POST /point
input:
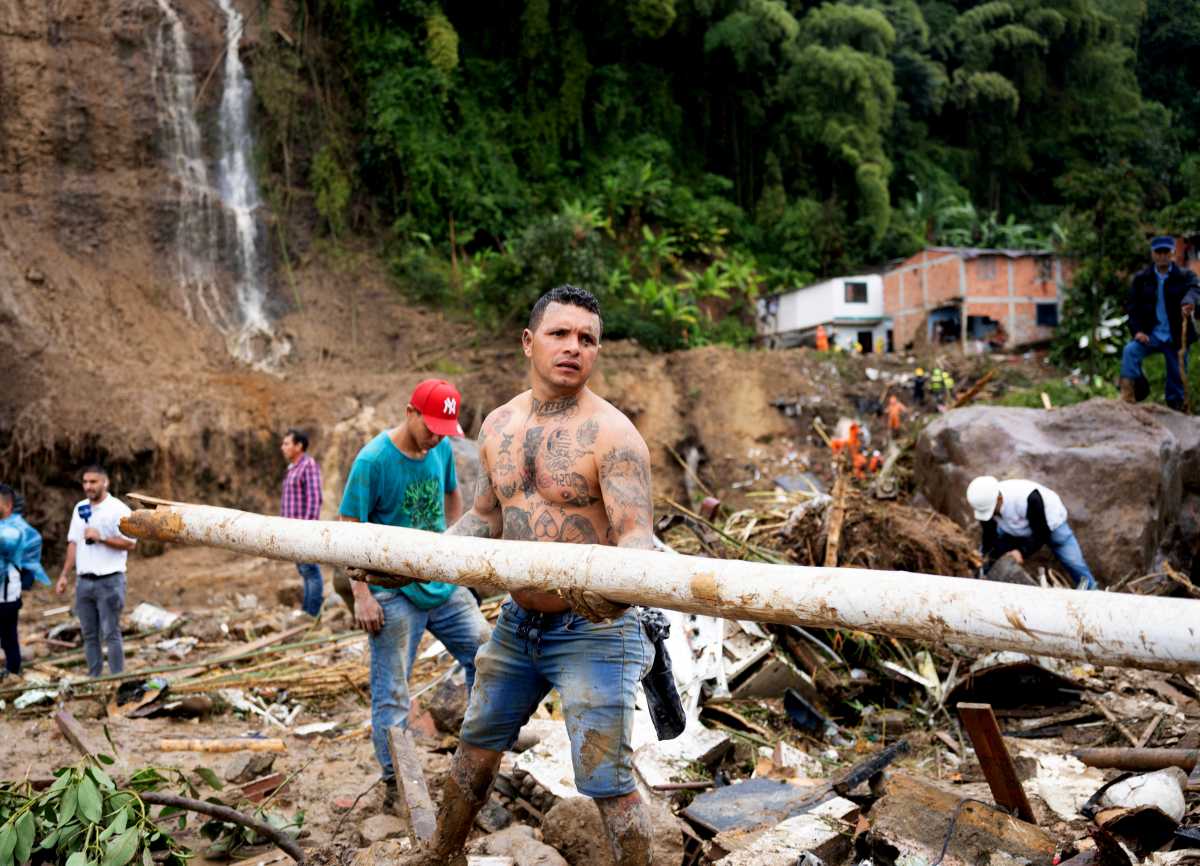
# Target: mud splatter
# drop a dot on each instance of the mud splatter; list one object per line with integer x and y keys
{"x": 597, "y": 745}
{"x": 705, "y": 588}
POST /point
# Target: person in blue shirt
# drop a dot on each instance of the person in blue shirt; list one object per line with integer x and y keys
{"x": 406, "y": 477}
{"x": 20, "y": 566}
{"x": 1161, "y": 298}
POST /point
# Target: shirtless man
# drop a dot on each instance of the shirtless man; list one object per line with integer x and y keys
{"x": 558, "y": 464}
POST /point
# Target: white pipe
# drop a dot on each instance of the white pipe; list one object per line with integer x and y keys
{"x": 1100, "y": 627}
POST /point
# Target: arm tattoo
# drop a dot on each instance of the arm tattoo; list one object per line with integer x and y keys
{"x": 625, "y": 485}
{"x": 471, "y": 524}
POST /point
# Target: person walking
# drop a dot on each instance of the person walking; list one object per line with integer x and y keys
{"x": 558, "y": 465}
{"x": 1160, "y": 304}
{"x": 918, "y": 387}
{"x": 301, "y": 500}
{"x": 97, "y": 551}
{"x": 406, "y": 477}
{"x": 1018, "y": 517}
{"x": 20, "y": 566}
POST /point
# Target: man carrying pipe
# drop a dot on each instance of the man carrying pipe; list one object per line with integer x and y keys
{"x": 560, "y": 465}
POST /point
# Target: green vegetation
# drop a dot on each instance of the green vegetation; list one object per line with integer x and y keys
{"x": 679, "y": 157}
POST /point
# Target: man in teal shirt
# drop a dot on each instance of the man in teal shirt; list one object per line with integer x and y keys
{"x": 405, "y": 477}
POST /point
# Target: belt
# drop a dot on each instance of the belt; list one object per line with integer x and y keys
{"x": 90, "y": 576}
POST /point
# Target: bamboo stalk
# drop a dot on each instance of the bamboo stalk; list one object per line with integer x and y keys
{"x": 1100, "y": 627}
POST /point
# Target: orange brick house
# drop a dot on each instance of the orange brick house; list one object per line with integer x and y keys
{"x": 1005, "y": 297}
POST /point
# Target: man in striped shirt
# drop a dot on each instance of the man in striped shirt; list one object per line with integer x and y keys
{"x": 302, "y": 501}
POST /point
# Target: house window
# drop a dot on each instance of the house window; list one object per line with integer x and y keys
{"x": 987, "y": 268}
{"x": 1045, "y": 269}
{"x": 1047, "y": 315}
{"x": 856, "y": 293}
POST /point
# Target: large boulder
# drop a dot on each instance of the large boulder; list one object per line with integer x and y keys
{"x": 1120, "y": 469}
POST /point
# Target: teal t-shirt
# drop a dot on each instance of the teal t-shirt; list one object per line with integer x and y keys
{"x": 387, "y": 486}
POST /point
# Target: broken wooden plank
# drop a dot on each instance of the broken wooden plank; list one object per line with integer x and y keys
{"x": 1099, "y": 627}
{"x": 413, "y": 803}
{"x": 233, "y": 744}
{"x": 76, "y": 735}
{"x": 998, "y": 768}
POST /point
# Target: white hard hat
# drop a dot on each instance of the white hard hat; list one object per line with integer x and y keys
{"x": 981, "y": 494}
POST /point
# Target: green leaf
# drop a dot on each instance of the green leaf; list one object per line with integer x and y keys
{"x": 8, "y": 839}
{"x": 105, "y": 759}
{"x": 147, "y": 857}
{"x": 25, "y": 827}
{"x": 121, "y": 850}
{"x": 89, "y": 800}
{"x": 102, "y": 778}
{"x": 77, "y": 859}
{"x": 49, "y": 841}
{"x": 210, "y": 778}
{"x": 66, "y": 808}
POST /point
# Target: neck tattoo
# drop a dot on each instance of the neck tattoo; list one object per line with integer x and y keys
{"x": 554, "y": 407}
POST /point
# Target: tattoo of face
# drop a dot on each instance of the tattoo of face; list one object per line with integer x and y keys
{"x": 565, "y": 407}
{"x": 587, "y": 433}
{"x": 508, "y": 489}
{"x": 516, "y": 524}
{"x": 533, "y": 439}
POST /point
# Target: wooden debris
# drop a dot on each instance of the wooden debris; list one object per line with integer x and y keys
{"x": 980, "y": 722}
{"x": 837, "y": 516}
{"x": 76, "y": 735}
{"x": 219, "y": 745}
{"x": 971, "y": 393}
{"x": 915, "y": 818}
{"x": 1138, "y": 760}
{"x": 1116, "y": 723}
{"x": 413, "y": 803}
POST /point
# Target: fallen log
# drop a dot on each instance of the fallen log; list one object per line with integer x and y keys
{"x": 1099, "y": 627}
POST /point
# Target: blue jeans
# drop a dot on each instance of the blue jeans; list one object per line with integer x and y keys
{"x": 1135, "y": 353}
{"x": 457, "y": 623}
{"x": 596, "y": 668}
{"x": 1065, "y": 547}
{"x": 314, "y": 587}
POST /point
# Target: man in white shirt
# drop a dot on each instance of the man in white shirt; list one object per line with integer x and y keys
{"x": 1018, "y": 517}
{"x": 97, "y": 550}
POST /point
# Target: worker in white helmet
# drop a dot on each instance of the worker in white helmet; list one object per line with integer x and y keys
{"x": 1018, "y": 517}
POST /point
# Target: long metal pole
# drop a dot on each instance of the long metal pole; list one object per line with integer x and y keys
{"x": 1100, "y": 627}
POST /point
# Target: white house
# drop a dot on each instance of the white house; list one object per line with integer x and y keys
{"x": 850, "y": 308}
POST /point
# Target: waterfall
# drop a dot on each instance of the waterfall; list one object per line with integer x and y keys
{"x": 211, "y": 212}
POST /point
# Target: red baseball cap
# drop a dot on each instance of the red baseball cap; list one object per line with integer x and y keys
{"x": 438, "y": 401}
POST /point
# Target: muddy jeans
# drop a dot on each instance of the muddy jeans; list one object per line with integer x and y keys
{"x": 596, "y": 669}
{"x": 98, "y": 604}
{"x": 457, "y": 623}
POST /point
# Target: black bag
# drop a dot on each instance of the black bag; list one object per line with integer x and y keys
{"x": 662, "y": 698}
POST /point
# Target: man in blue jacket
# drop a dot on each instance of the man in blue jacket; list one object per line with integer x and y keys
{"x": 1161, "y": 298}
